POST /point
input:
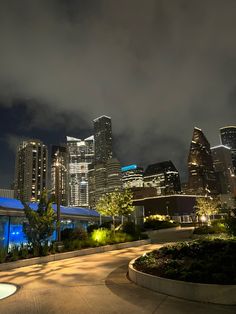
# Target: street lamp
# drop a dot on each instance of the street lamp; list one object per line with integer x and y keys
{"x": 58, "y": 199}
{"x": 58, "y": 166}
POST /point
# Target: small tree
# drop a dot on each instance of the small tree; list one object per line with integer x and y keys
{"x": 116, "y": 204}
{"x": 205, "y": 207}
{"x": 41, "y": 223}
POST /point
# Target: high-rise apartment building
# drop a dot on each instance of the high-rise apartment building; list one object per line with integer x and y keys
{"x": 222, "y": 162}
{"x": 164, "y": 177}
{"x": 113, "y": 175}
{"x": 202, "y": 178}
{"x": 31, "y": 170}
{"x": 103, "y": 139}
{"x": 132, "y": 176}
{"x": 81, "y": 155}
{"x": 228, "y": 138}
{"x": 60, "y": 159}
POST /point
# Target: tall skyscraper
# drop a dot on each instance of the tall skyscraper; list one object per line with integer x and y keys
{"x": 228, "y": 138}
{"x": 31, "y": 170}
{"x": 81, "y": 154}
{"x": 164, "y": 177}
{"x": 103, "y": 139}
{"x": 222, "y": 162}
{"x": 202, "y": 178}
{"x": 60, "y": 159}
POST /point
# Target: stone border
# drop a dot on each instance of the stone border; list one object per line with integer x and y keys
{"x": 60, "y": 256}
{"x": 210, "y": 293}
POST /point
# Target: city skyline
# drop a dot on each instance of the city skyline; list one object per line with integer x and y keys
{"x": 183, "y": 168}
{"x": 158, "y": 68}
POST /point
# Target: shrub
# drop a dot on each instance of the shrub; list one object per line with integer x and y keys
{"x": 101, "y": 236}
{"x": 204, "y": 230}
{"x": 155, "y": 224}
{"x": 90, "y": 228}
{"x": 230, "y": 223}
{"x": 3, "y": 255}
{"x": 129, "y": 228}
{"x": 73, "y": 234}
{"x": 13, "y": 255}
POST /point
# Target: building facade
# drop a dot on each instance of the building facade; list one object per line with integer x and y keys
{"x": 7, "y": 193}
{"x": 60, "y": 159}
{"x": 228, "y": 138}
{"x": 103, "y": 139}
{"x": 202, "y": 177}
{"x": 223, "y": 166}
{"x": 113, "y": 175}
{"x": 81, "y": 155}
{"x": 31, "y": 170}
{"x": 132, "y": 176}
{"x": 164, "y": 177}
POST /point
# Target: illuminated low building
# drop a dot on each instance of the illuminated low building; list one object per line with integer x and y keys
{"x": 12, "y": 218}
{"x": 164, "y": 177}
{"x": 132, "y": 176}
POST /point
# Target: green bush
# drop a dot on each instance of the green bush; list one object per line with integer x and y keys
{"x": 204, "y": 230}
{"x": 3, "y": 255}
{"x": 230, "y": 223}
{"x": 129, "y": 227}
{"x": 101, "y": 236}
{"x": 13, "y": 255}
{"x": 73, "y": 234}
{"x": 159, "y": 224}
{"x": 90, "y": 228}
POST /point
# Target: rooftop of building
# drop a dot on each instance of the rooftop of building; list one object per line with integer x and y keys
{"x": 103, "y": 116}
{"x": 228, "y": 127}
{"x": 160, "y": 167}
{"x": 14, "y": 204}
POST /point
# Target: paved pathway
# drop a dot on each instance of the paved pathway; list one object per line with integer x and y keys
{"x": 92, "y": 284}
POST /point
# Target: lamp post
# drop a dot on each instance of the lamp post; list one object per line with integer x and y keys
{"x": 58, "y": 166}
{"x": 58, "y": 199}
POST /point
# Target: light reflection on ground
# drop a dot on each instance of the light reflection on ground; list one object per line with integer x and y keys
{"x": 6, "y": 290}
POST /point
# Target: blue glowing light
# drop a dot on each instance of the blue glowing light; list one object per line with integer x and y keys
{"x": 130, "y": 167}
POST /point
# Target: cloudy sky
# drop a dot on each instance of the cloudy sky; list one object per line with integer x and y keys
{"x": 157, "y": 67}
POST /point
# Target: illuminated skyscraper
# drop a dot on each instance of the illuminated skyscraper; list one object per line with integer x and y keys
{"x": 228, "y": 138}
{"x": 81, "y": 154}
{"x": 222, "y": 162}
{"x": 202, "y": 178}
{"x": 31, "y": 170}
{"x": 164, "y": 177}
{"x": 103, "y": 139}
{"x": 59, "y": 153}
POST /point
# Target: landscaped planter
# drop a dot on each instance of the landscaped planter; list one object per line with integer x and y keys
{"x": 60, "y": 256}
{"x": 211, "y": 293}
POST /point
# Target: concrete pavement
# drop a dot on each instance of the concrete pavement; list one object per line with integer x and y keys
{"x": 92, "y": 284}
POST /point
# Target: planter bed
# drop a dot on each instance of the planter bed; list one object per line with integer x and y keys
{"x": 202, "y": 270}
{"x": 60, "y": 256}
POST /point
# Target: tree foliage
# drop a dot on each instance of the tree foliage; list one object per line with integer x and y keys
{"x": 206, "y": 207}
{"x": 41, "y": 223}
{"x": 116, "y": 204}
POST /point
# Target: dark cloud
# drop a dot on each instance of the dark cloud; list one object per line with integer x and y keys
{"x": 157, "y": 67}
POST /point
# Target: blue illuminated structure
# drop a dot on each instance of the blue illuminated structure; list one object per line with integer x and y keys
{"x": 12, "y": 218}
{"x": 130, "y": 167}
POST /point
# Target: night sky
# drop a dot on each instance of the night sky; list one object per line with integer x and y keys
{"x": 158, "y": 68}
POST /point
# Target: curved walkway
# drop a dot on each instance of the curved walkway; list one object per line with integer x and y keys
{"x": 92, "y": 284}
